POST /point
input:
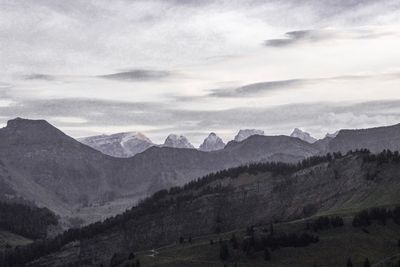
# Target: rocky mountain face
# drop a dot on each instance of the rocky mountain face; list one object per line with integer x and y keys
{"x": 303, "y": 136}
{"x": 211, "y": 143}
{"x": 120, "y": 145}
{"x": 177, "y": 141}
{"x": 237, "y": 202}
{"x": 246, "y": 133}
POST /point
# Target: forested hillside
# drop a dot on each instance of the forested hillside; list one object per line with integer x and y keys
{"x": 236, "y": 198}
{"x": 27, "y": 221}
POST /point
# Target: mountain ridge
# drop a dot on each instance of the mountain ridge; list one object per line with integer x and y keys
{"x": 47, "y": 166}
{"x": 42, "y": 164}
{"x": 126, "y": 144}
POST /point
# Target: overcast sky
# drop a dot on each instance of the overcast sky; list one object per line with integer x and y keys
{"x": 191, "y": 67}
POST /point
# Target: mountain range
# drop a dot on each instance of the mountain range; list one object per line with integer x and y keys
{"x": 256, "y": 180}
{"x": 42, "y": 164}
{"x": 128, "y": 144}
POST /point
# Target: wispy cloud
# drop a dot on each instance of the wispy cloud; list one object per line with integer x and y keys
{"x": 39, "y": 76}
{"x": 256, "y": 88}
{"x": 296, "y": 37}
{"x": 137, "y": 75}
{"x": 261, "y": 88}
{"x": 313, "y": 36}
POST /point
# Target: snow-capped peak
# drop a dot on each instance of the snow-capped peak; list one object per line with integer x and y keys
{"x": 246, "y": 133}
{"x": 211, "y": 143}
{"x": 332, "y": 135}
{"x": 125, "y": 144}
{"x": 303, "y": 136}
{"x": 129, "y": 136}
{"x": 177, "y": 141}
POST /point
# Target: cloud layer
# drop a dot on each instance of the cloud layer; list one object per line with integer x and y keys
{"x": 192, "y": 67}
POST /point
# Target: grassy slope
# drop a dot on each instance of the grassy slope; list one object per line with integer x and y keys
{"x": 333, "y": 249}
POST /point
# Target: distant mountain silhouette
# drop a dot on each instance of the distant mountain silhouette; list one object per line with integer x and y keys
{"x": 374, "y": 139}
{"x": 246, "y": 133}
{"x": 122, "y": 145}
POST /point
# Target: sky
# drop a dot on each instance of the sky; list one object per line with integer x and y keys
{"x": 194, "y": 67}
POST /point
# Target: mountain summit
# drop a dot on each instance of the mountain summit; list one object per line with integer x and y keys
{"x": 21, "y": 131}
{"x": 303, "y": 136}
{"x": 246, "y": 133}
{"x": 177, "y": 141}
{"x": 211, "y": 143}
{"x": 120, "y": 145}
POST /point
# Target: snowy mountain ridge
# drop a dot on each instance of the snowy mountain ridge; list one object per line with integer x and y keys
{"x": 303, "y": 136}
{"x": 177, "y": 141}
{"x": 211, "y": 143}
{"x": 121, "y": 145}
{"x": 246, "y": 133}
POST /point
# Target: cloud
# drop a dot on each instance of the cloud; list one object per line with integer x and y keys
{"x": 93, "y": 111}
{"x": 295, "y": 37}
{"x": 97, "y": 44}
{"x": 261, "y": 88}
{"x": 138, "y": 75}
{"x": 313, "y": 36}
{"x": 256, "y": 88}
{"x": 39, "y": 76}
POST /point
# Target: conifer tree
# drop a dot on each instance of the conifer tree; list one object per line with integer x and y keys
{"x": 267, "y": 255}
{"x": 349, "y": 263}
{"x": 367, "y": 263}
{"x": 234, "y": 242}
{"x": 224, "y": 252}
{"x": 131, "y": 256}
